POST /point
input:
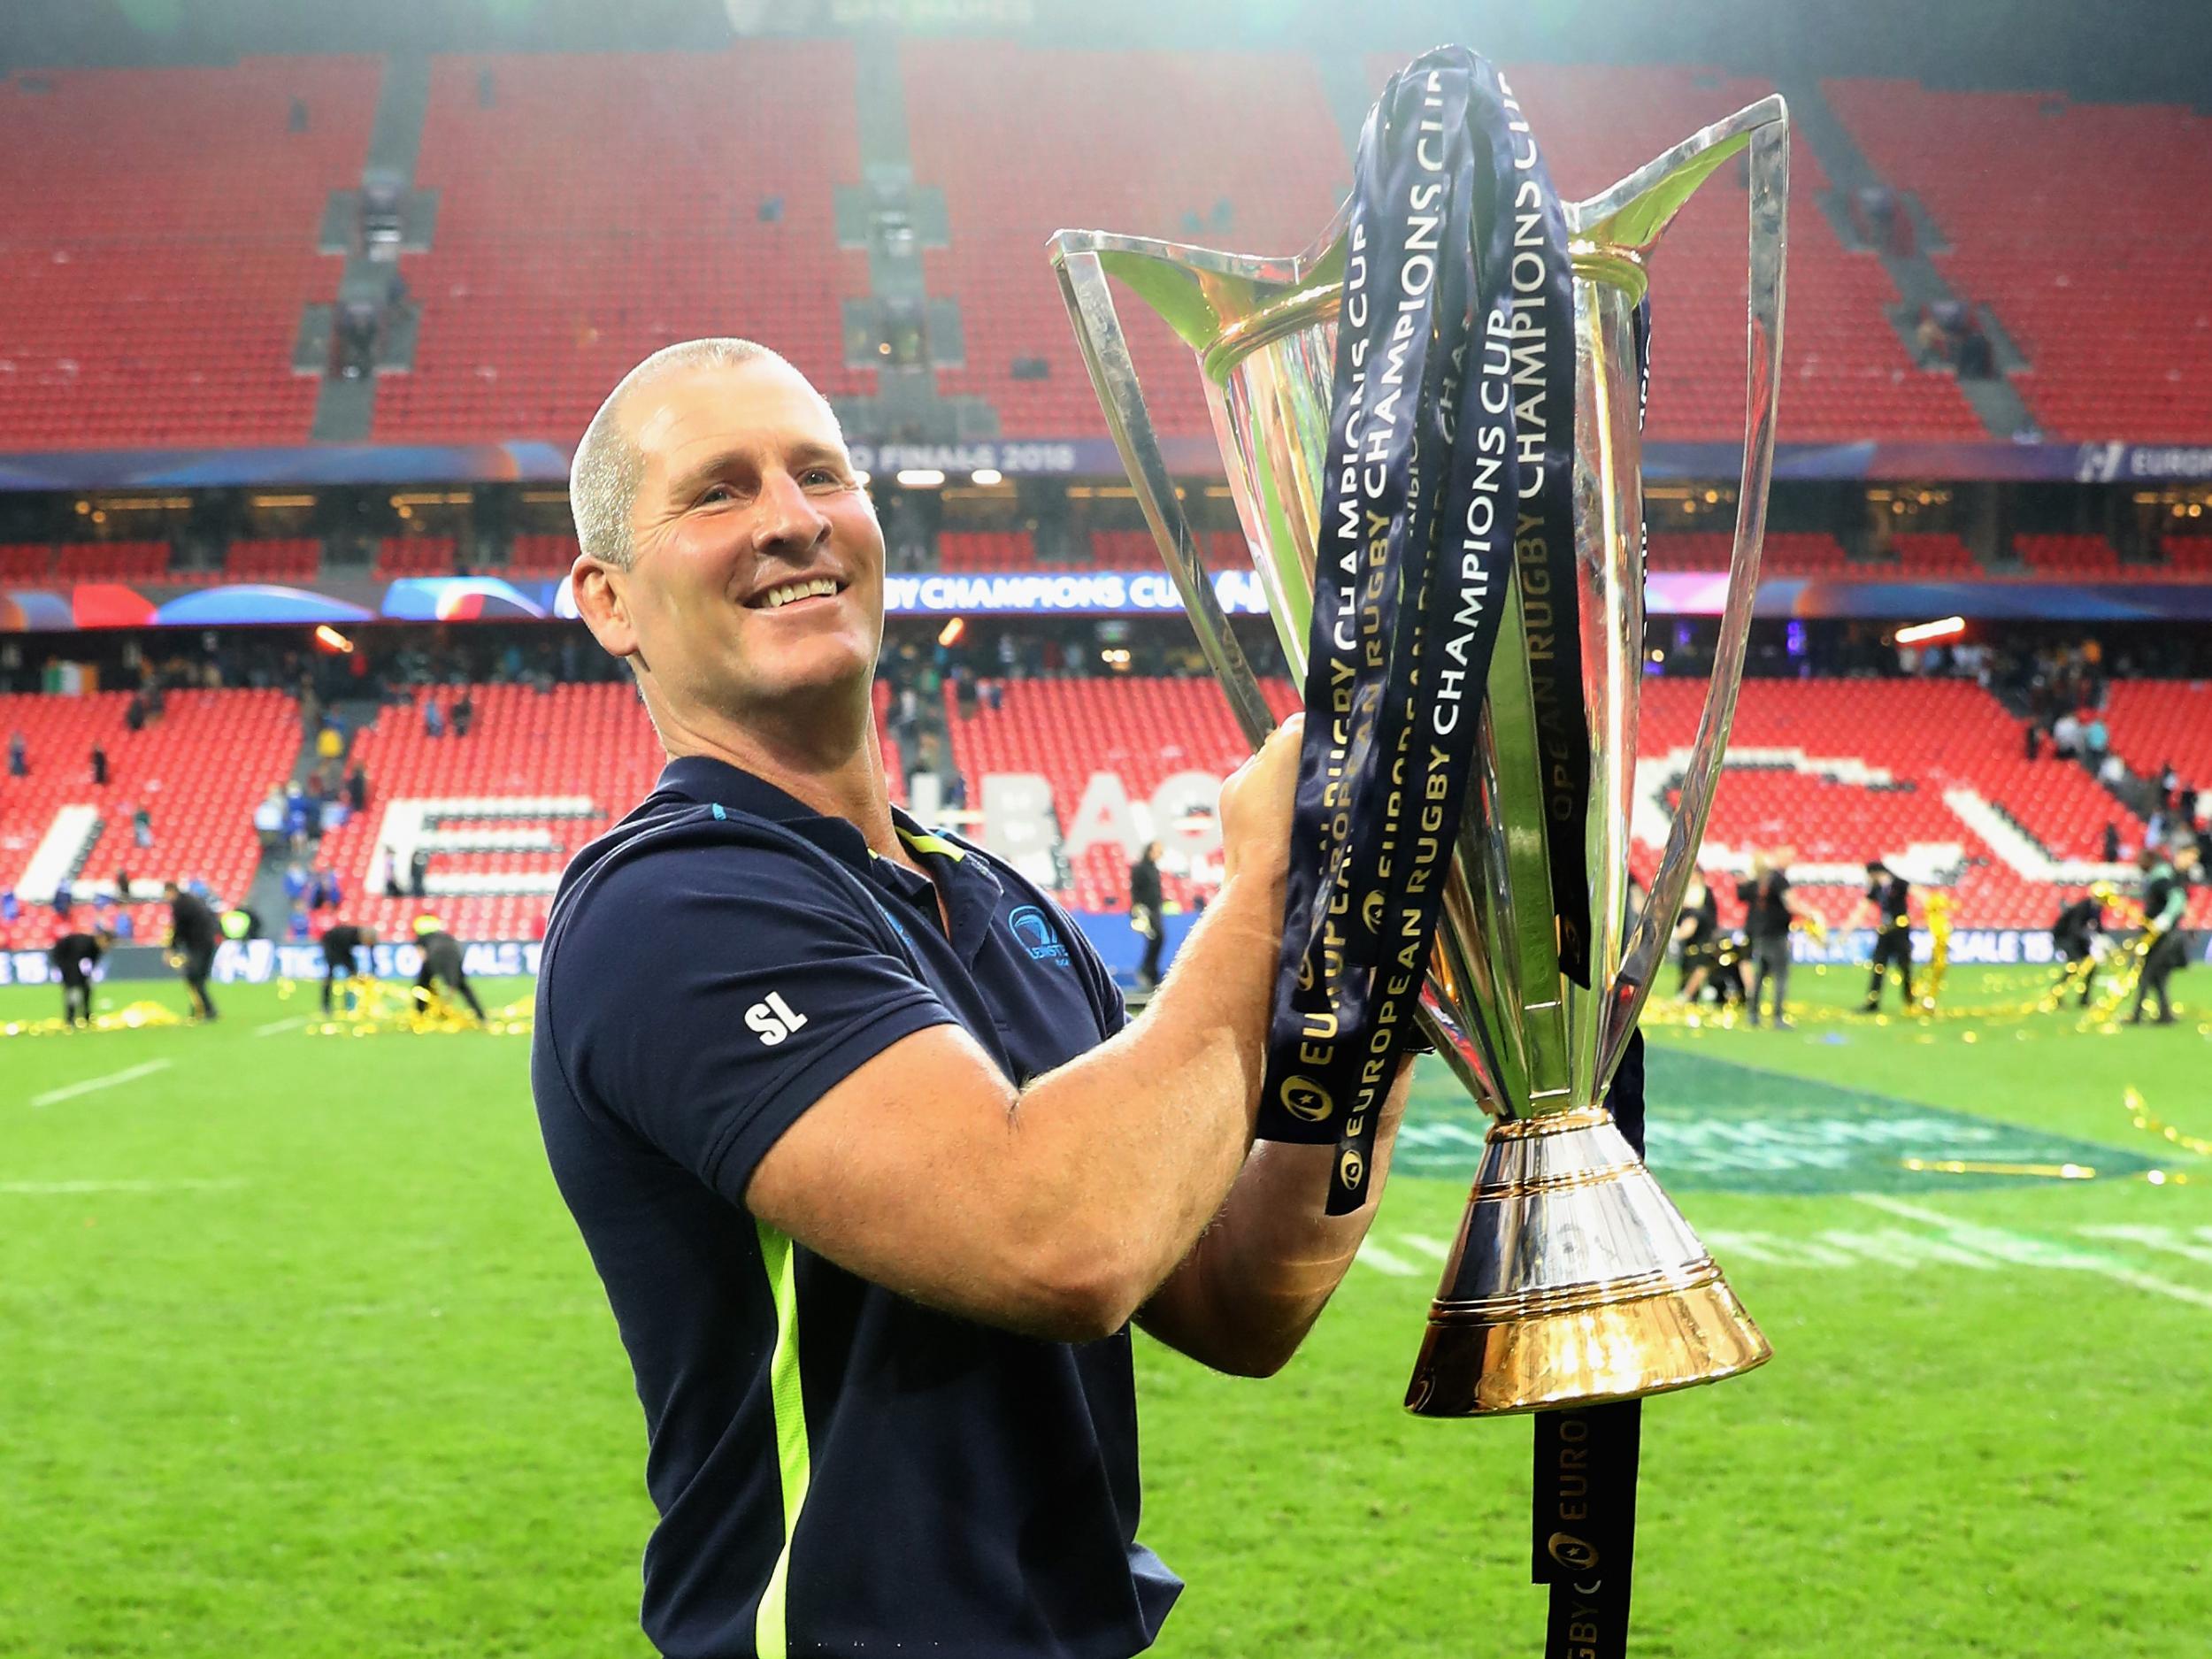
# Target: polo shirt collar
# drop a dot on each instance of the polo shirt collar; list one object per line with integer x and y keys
{"x": 971, "y": 891}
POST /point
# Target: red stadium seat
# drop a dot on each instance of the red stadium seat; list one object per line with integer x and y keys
{"x": 155, "y": 278}
{"x": 198, "y": 771}
{"x": 604, "y": 206}
{"x": 2059, "y": 213}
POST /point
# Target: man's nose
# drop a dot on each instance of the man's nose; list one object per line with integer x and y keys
{"x": 784, "y": 518}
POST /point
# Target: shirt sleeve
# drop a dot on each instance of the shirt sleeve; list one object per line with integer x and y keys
{"x": 705, "y": 999}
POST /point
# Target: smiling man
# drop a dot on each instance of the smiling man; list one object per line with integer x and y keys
{"x": 875, "y": 1174}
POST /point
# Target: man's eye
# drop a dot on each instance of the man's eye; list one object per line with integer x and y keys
{"x": 717, "y": 491}
{"x": 821, "y": 475}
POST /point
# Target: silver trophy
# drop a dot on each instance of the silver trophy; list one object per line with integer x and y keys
{"x": 1574, "y": 1278}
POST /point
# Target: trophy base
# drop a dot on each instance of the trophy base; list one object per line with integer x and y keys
{"x": 1481, "y": 1363}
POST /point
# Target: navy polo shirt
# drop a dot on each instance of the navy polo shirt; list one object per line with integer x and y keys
{"x": 838, "y": 1471}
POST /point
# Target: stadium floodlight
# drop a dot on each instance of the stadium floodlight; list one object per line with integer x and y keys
{"x": 921, "y": 477}
{"x": 1921, "y": 632}
{"x": 331, "y": 640}
{"x": 949, "y": 634}
{"x": 987, "y": 476}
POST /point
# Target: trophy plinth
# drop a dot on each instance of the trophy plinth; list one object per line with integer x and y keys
{"x": 1574, "y": 1278}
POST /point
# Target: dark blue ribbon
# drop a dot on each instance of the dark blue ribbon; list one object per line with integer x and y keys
{"x": 1449, "y": 475}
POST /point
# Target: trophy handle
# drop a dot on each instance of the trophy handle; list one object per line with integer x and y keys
{"x": 1105, "y": 348}
{"x": 1639, "y": 207}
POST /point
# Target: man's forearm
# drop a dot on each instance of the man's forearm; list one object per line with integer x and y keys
{"x": 1261, "y": 1275}
{"x": 1141, "y": 1139}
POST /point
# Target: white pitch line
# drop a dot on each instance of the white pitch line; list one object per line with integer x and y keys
{"x": 1374, "y": 1254}
{"x": 2006, "y": 1244}
{"x": 129, "y": 1074}
{"x": 275, "y": 1025}
{"x": 63, "y": 1189}
{"x": 1427, "y": 1246}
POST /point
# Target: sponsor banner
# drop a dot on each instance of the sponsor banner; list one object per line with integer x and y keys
{"x": 1118, "y": 943}
{"x": 258, "y": 961}
{"x": 1970, "y": 947}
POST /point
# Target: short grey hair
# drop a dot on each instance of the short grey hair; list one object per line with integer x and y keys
{"x": 609, "y": 468}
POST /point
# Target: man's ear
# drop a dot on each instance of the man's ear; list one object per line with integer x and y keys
{"x": 603, "y": 601}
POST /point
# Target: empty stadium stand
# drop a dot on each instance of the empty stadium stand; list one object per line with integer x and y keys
{"x": 1838, "y": 770}
{"x": 2156, "y": 722}
{"x": 598, "y": 207}
{"x": 1844, "y": 372}
{"x": 399, "y": 556}
{"x": 1932, "y": 554}
{"x": 25, "y": 562}
{"x": 155, "y": 280}
{"x": 2075, "y": 223}
{"x": 501, "y": 811}
{"x": 1783, "y": 553}
{"x": 111, "y": 561}
{"x": 293, "y": 560}
{"x": 580, "y": 755}
{"x": 197, "y": 771}
{"x": 2079, "y": 557}
{"x": 1027, "y": 141}
{"x": 1144, "y": 730}
{"x": 1798, "y": 777}
{"x": 542, "y": 555}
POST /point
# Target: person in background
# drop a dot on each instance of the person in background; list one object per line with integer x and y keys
{"x": 357, "y": 788}
{"x": 1696, "y": 929}
{"x": 441, "y": 960}
{"x": 142, "y": 827}
{"x": 193, "y": 936}
{"x": 1888, "y": 901}
{"x": 464, "y": 712}
{"x": 330, "y": 744}
{"x": 2074, "y": 937}
{"x": 99, "y": 767}
{"x": 74, "y": 956}
{"x": 299, "y": 818}
{"x": 1767, "y": 919}
{"x": 269, "y": 818}
{"x": 18, "y": 755}
{"x": 340, "y": 963}
{"x": 1144, "y": 912}
{"x": 2095, "y": 740}
{"x": 433, "y": 716}
{"x": 2164, "y": 900}
{"x": 2111, "y": 849}
{"x": 418, "y": 873}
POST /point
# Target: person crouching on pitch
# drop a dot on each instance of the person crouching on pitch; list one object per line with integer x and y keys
{"x": 339, "y": 964}
{"x": 2074, "y": 937}
{"x": 74, "y": 956}
{"x": 194, "y": 933}
{"x": 441, "y": 960}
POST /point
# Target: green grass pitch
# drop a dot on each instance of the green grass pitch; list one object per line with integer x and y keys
{"x": 300, "y": 1354}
